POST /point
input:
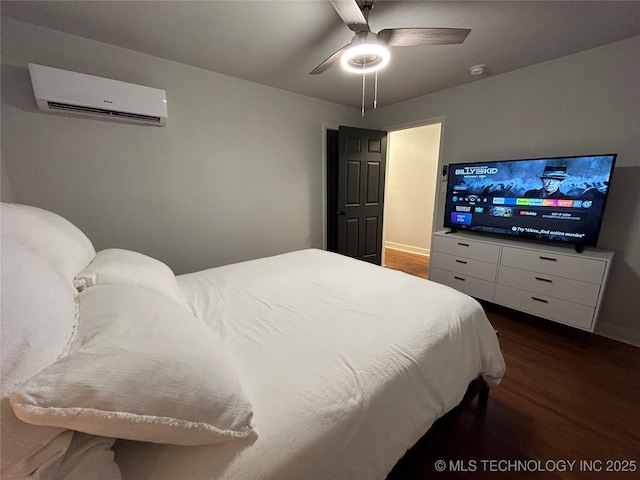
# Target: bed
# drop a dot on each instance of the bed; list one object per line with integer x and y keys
{"x": 331, "y": 367}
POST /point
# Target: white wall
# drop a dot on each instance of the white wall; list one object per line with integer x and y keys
{"x": 585, "y": 103}
{"x": 236, "y": 173}
{"x": 411, "y": 186}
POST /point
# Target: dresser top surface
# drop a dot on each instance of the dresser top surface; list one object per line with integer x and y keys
{"x": 589, "y": 252}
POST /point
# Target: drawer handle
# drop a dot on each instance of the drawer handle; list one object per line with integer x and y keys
{"x": 542, "y": 300}
{"x": 463, "y": 244}
{"x": 549, "y": 258}
{"x": 461, "y": 261}
{"x": 459, "y": 278}
{"x": 544, "y": 280}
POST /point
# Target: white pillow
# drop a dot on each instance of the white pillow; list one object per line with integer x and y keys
{"x": 38, "y": 319}
{"x": 117, "y": 266}
{"x": 141, "y": 368}
{"x": 38, "y": 314}
{"x": 53, "y": 238}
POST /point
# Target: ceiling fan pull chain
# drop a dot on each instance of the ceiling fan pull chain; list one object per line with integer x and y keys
{"x": 375, "y": 92}
{"x": 364, "y": 75}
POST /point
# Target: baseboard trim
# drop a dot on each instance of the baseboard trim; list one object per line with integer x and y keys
{"x": 408, "y": 248}
{"x": 620, "y": 334}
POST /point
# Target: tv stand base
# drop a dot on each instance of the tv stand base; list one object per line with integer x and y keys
{"x": 552, "y": 282}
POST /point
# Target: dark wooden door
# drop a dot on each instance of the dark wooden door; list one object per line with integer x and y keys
{"x": 360, "y": 196}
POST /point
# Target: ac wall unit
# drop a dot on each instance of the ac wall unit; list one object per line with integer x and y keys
{"x": 76, "y": 93}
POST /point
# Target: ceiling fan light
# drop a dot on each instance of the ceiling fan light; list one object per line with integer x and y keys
{"x": 365, "y": 56}
{"x": 477, "y": 69}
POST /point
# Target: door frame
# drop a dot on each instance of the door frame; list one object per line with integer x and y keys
{"x": 325, "y": 127}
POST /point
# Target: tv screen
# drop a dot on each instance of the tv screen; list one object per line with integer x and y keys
{"x": 558, "y": 199}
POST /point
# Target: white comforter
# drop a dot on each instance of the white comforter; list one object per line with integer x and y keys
{"x": 346, "y": 364}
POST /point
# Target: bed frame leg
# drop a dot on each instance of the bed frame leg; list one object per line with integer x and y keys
{"x": 483, "y": 394}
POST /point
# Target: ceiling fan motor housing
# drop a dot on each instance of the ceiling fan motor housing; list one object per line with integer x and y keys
{"x": 368, "y": 58}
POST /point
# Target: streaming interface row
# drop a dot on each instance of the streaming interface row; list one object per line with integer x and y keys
{"x": 531, "y": 202}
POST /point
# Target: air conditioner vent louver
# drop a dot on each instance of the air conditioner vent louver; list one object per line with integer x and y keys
{"x": 100, "y": 111}
{"x": 61, "y": 91}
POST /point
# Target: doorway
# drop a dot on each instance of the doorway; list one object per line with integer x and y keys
{"x": 411, "y": 191}
{"x": 416, "y": 149}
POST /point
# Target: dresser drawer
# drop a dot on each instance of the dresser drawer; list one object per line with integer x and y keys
{"x": 485, "y": 252}
{"x": 567, "y": 266}
{"x": 558, "y": 287}
{"x": 569, "y": 313}
{"x": 466, "y": 284}
{"x": 466, "y": 266}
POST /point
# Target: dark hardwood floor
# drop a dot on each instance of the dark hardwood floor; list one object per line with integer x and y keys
{"x": 560, "y": 401}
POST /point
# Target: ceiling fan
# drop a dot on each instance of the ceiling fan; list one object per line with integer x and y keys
{"x": 367, "y": 51}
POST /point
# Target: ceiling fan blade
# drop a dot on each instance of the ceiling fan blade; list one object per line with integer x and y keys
{"x": 351, "y": 14}
{"x": 328, "y": 62}
{"x": 406, "y": 37}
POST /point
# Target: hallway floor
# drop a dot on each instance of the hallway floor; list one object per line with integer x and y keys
{"x": 412, "y": 263}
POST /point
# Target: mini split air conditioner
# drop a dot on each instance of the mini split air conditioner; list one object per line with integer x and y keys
{"x": 76, "y": 93}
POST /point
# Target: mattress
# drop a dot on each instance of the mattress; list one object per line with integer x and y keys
{"x": 346, "y": 364}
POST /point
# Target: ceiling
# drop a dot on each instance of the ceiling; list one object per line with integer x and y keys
{"x": 277, "y": 43}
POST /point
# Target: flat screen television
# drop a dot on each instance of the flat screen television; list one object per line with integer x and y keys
{"x": 554, "y": 199}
